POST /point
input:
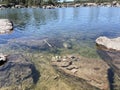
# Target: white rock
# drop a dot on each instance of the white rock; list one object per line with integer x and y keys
{"x": 2, "y": 57}
{"x": 6, "y": 26}
{"x": 110, "y": 44}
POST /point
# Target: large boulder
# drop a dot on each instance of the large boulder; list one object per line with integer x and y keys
{"x": 109, "y": 51}
{"x": 108, "y": 44}
{"x": 6, "y": 26}
{"x": 18, "y": 71}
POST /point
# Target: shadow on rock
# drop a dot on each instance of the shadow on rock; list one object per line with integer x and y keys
{"x": 111, "y": 78}
{"x": 35, "y": 74}
{"x": 112, "y": 58}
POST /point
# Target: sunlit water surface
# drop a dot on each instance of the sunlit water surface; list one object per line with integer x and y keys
{"x": 78, "y": 27}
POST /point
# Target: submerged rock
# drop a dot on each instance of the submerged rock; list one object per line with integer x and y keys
{"x": 84, "y": 69}
{"x": 43, "y": 44}
{"x": 109, "y": 51}
{"x": 6, "y": 26}
{"x": 67, "y": 45}
{"x": 112, "y": 59}
{"x": 66, "y": 63}
{"x": 70, "y": 67}
{"x": 3, "y": 59}
{"x": 107, "y": 44}
{"x": 18, "y": 71}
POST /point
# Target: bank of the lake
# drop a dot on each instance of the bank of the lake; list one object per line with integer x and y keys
{"x": 58, "y": 4}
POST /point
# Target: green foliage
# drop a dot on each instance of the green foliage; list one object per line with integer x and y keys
{"x": 29, "y": 2}
{"x": 49, "y": 2}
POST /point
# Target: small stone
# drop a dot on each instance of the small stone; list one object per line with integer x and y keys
{"x": 3, "y": 59}
{"x": 96, "y": 68}
{"x": 56, "y": 77}
{"x": 72, "y": 67}
{"x": 66, "y": 63}
{"x": 67, "y": 45}
{"x": 53, "y": 59}
{"x": 59, "y": 60}
{"x": 56, "y": 57}
{"x": 73, "y": 57}
{"x": 64, "y": 59}
{"x": 41, "y": 56}
{"x": 74, "y": 71}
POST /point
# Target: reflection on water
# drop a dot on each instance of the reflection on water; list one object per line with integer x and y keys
{"x": 77, "y": 26}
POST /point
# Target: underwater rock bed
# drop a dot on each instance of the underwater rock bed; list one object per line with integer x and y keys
{"x": 112, "y": 59}
{"x": 18, "y": 71}
{"x": 91, "y": 71}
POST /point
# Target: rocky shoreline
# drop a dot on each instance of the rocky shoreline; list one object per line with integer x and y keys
{"x": 61, "y": 5}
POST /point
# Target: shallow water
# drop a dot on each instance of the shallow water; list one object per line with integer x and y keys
{"x": 78, "y": 27}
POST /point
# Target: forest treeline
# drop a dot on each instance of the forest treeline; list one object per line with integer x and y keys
{"x": 48, "y": 2}
{"x": 29, "y": 2}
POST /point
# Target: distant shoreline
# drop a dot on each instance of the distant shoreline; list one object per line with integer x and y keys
{"x": 105, "y": 4}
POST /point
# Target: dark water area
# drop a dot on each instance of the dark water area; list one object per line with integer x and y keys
{"x": 111, "y": 78}
{"x": 78, "y": 27}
